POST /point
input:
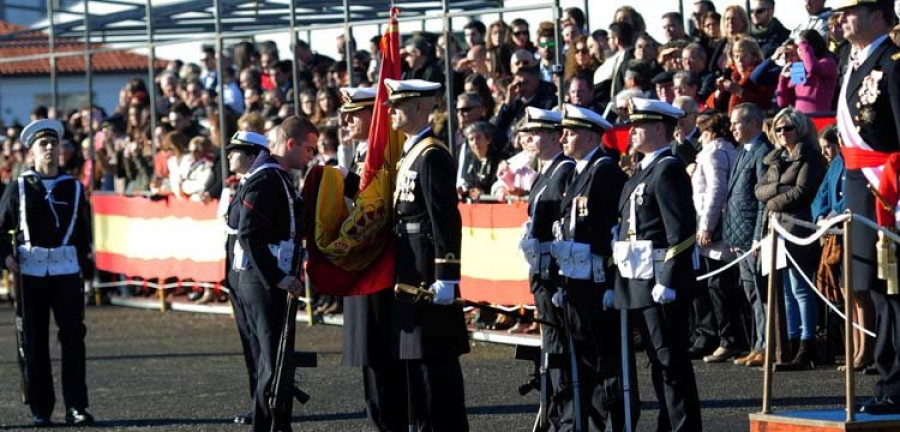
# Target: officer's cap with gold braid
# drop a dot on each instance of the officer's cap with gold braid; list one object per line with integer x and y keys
{"x": 838, "y": 5}
{"x": 540, "y": 119}
{"x": 399, "y": 90}
{"x": 357, "y": 98}
{"x": 642, "y": 110}
{"x": 576, "y": 117}
{"x": 247, "y": 141}
{"x": 39, "y": 129}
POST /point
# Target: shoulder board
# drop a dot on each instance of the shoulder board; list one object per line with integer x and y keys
{"x": 896, "y": 56}
{"x": 562, "y": 164}
{"x": 600, "y": 160}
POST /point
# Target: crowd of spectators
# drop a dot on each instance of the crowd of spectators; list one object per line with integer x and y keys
{"x": 744, "y": 81}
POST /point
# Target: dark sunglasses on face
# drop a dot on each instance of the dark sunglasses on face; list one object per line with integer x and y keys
{"x": 582, "y": 51}
{"x": 521, "y": 33}
{"x": 758, "y": 11}
{"x": 465, "y": 109}
{"x": 547, "y": 44}
{"x": 781, "y": 129}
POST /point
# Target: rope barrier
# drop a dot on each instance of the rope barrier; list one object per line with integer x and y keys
{"x": 743, "y": 256}
{"x": 806, "y": 241}
{"x": 822, "y": 296}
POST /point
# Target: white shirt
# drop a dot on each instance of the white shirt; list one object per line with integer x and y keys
{"x": 579, "y": 166}
{"x": 864, "y": 53}
{"x": 545, "y": 165}
{"x": 648, "y": 159}
{"x": 413, "y": 140}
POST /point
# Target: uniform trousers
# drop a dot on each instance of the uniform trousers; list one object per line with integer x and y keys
{"x": 595, "y": 336}
{"x": 64, "y": 296}
{"x": 664, "y": 329}
{"x": 249, "y": 345}
{"x": 384, "y": 386}
{"x": 435, "y": 387}
{"x": 887, "y": 344}
{"x": 264, "y": 311}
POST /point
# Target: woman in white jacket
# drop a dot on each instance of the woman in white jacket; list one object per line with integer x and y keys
{"x": 710, "y": 189}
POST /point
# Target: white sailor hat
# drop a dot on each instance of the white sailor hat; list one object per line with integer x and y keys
{"x": 642, "y": 110}
{"x": 404, "y": 89}
{"x": 357, "y": 98}
{"x": 39, "y": 129}
{"x": 247, "y": 141}
{"x": 576, "y": 117}
{"x": 536, "y": 118}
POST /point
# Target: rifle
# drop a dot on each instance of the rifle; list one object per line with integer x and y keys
{"x": 413, "y": 294}
{"x": 284, "y": 389}
{"x": 540, "y": 381}
{"x": 19, "y": 294}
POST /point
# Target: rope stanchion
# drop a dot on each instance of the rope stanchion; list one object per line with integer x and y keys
{"x": 822, "y": 296}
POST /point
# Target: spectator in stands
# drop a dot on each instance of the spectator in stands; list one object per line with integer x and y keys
{"x": 709, "y": 182}
{"x": 817, "y": 20}
{"x": 469, "y": 110}
{"x": 622, "y": 101}
{"x": 474, "y": 32}
{"x": 816, "y": 92}
{"x": 569, "y": 34}
{"x": 478, "y": 84}
{"x": 213, "y": 187}
{"x": 693, "y": 60}
{"x": 194, "y": 170}
{"x": 176, "y": 144}
{"x": 182, "y": 119}
{"x": 742, "y": 213}
{"x": 480, "y": 171}
{"x": 327, "y": 104}
{"x": 498, "y": 61}
{"x": 686, "y": 140}
{"x": 71, "y": 161}
{"x": 574, "y": 17}
{"x": 420, "y": 61}
{"x": 646, "y": 48}
{"x": 307, "y": 59}
{"x": 579, "y": 60}
{"x": 475, "y": 61}
{"x": 673, "y": 27}
{"x": 736, "y": 86}
{"x": 610, "y": 76}
{"x": 168, "y": 84}
{"x": 547, "y": 53}
{"x": 519, "y": 59}
{"x": 252, "y": 122}
{"x": 307, "y": 103}
{"x": 521, "y": 36}
{"x": 499, "y": 34}
{"x": 527, "y": 89}
{"x": 135, "y": 164}
{"x": 244, "y": 56}
{"x": 268, "y": 56}
{"x": 795, "y": 170}
{"x": 663, "y": 87}
{"x": 327, "y": 147}
{"x": 734, "y": 23}
{"x": 635, "y": 20}
{"x": 598, "y": 44}
{"x": 281, "y": 73}
{"x": 253, "y": 100}
{"x": 696, "y": 24}
{"x": 685, "y": 83}
{"x": 208, "y": 67}
{"x": 712, "y": 29}
{"x": 517, "y": 174}
{"x": 766, "y": 29}
{"x": 580, "y": 92}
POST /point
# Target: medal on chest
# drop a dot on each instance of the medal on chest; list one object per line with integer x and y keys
{"x": 581, "y": 208}
{"x": 868, "y": 94}
{"x": 407, "y": 186}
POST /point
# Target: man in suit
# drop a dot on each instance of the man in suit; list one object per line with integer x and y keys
{"x": 541, "y": 136}
{"x": 526, "y": 90}
{"x": 366, "y": 327}
{"x": 742, "y": 210}
{"x": 585, "y": 292}
{"x": 428, "y": 337}
{"x": 868, "y": 109}
{"x": 658, "y": 226}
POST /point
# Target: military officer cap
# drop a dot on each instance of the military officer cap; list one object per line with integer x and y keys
{"x": 40, "y": 129}
{"x": 357, "y": 98}
{"x": 399, "y": 90}
{"x": 251, "y": 141}
{"x": 642, "y": 110}
{"x": 839, "y": 5}
{"x": 537, "y": 119}
{"x": 576, "y": 117}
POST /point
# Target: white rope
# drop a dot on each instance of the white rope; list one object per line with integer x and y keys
{"x": 813, "y": 226}
{"x": 815, "y": 289}
{"x": 871, "y": 224}
{"x": 801, "y": 241}
{"x": 731, "y": 264}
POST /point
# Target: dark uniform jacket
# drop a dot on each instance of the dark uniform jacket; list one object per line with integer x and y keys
{"x": 742, "y": 208}
{"x": 46, "y": 229}
{"x": 264, "y": 219}
{"x": 665, "y": 216}
{"x": 591, "y": 191}
{"x": 544, "y": 201}
{"x": 429, "y": 231}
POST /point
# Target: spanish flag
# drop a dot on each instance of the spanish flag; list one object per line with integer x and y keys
{"x": 351, "y": 249}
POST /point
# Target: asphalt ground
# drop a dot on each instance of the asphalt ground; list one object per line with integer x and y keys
{"x": 176, "y": 371}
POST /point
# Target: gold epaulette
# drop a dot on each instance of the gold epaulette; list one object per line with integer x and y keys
{"x": 896, "y": 56}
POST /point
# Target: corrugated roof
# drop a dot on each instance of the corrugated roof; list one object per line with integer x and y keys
{"x": 34, "y": 43}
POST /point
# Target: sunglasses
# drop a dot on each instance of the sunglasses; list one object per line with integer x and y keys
{"x": 758, "y": 11}
{"x": 781, "y": 129}
{"x": 521, "y": 33}
{"x": 547, "y": 44}
{"x": 582, "y": 51}
{"x": 465, "y": 109}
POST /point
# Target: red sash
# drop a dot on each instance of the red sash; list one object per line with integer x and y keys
{"x": 857, "y": 158}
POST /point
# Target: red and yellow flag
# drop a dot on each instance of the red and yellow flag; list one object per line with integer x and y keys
{"x": 351, "y": 249}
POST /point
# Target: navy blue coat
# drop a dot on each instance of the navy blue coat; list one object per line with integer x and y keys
{"x": 742, "y": 208}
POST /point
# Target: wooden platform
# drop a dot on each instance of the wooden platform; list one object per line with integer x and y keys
{"x": 822, "y": 421}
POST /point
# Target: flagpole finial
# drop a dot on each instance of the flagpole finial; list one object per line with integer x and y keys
{"x": 395, "y": 11}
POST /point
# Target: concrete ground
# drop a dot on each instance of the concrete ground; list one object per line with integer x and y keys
{"x": 176, "y": 371}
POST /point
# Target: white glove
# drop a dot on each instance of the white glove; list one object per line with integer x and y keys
{"x": 559, "y": 298}
{"x": 609, "y": 299}
{"x": 662, "y": 294}
{"x": 444, "y": 292}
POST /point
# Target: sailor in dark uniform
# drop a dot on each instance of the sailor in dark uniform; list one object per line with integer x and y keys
{"x": 51, "y": 218}
{"x": 656, "y": 237}
{"x": 266, "y": 256}
{"x": 367, "y": 317}
{"x": 868, "y": 119}
{"x": 428, "y": 337}
{"x": 356, "y": 115}
{"x": 583, "y": 248}
{"x": 541, "y": 132}
{"x": 241, "y": 154}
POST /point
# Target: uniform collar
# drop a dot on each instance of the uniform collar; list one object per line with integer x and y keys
{"x": 579, "y": 166}
{"x": 648, "y": 159}
{"x": 546, "y": 166}
{"x": 864, "y": 53}
{"x": 410, "y": 142}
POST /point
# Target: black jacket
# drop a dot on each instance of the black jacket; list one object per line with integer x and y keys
{"x": 600, "y": 180}
{"x": 665, "y": 216}
{"x": 771, "y": 38}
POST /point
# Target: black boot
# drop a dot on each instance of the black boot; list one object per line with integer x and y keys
{"x": 806, "y": 357}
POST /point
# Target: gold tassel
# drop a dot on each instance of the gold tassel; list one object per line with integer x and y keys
{"x": 887, "y": 263}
